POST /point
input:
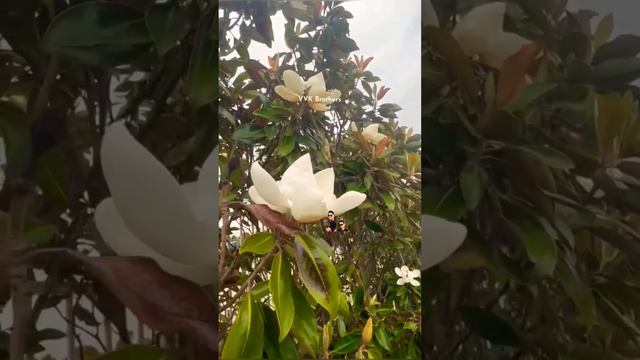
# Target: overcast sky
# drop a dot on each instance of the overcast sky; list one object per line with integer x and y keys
{"x": 391, "y": 34}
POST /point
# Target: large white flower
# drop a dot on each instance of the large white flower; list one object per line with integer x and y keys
{"x": 480, "y": 33}
{"x": 307, "y": 196}
{"x": 440, "y": 238}
{"x": 371, "y": 134}
{"x": 407, "y": 276}
{"x": 149, "y": 214}
{"x": 295, "y": 89}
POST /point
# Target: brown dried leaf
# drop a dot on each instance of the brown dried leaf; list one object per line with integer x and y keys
{"x": 273, "y": 219}
{"x": 513, "y": 75}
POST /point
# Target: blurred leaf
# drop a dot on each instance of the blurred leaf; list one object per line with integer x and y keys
{"x": 39, "y": 234}
{"x": 274, "y": 348}
{"x": 201, "y": 84}
{"x": 98, "y": 33}
{"x": 286, "y": 145}
{"x": 167, "y": 24}
{"x": 529, "y": 94}
{"x": 541, "y": 248}
{"x": 552, "y": 157}
{"x": 473, "y": 184}
{"x": 388, "y": 201}
{"x": 260, "y": 243}
{"x": 136, "y": 352}
{"x": 382, "y": 338}
{"x": 373, "y": 226}
{"x": 513, "y": 74}
{"x": 246, "y": 335}
{"x": 248, "y": 133}
{"x": 15, "y": 132}
{"x": 273, "y": 219}
{"x": 623, "y": 46}
{"x": 317, "y": 272}
{"x": 280, "y": 286}
{"x": 616, "y": 72}
{"x": 490, "y": 327}
{"x": 603, "y": 31}
{"x": 53, "y": 174}
{"x": 577, "y": 290}
{"x": 347, "y": 344}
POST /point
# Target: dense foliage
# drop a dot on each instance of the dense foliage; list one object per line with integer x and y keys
{"x": 539, "y": 159}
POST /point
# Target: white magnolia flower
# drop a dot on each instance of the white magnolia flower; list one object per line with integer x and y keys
{"x": 480, "y": 33}
{"x": 407, "y": 276}
{"x": 149, "y": 214}
{"x": 314, "y": 91}
{"x": 372, "y": 135}
{"x": 307, "y": 196}
{"x": 440, "y": 238}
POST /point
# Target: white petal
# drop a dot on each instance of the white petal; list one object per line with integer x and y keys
{"x": 150, "y": 200}
{"x": 399, "y": 272}
{"x": 293, "y": 82}
{"x": 287, "y": 94}
{"x": 440, "y": 238}
{"x": 405, "y": 270}
{"x": 346, "y": 202}
{"x": 400, "y": 281}
{"x": 316, "y": 85}
{"x": 414, "y": 282}
{"x": 414, "y": 273}
{"x": 207, "y": 203}
{"x": 307, "y": 206}
{"x": 266, "y": 187}
{"x": 299, "y": 170}
{"x": 256, "y": 198}
{"x": 115, "y": 233}
{"x": 318, "y": 106}
{"x": 325, "y": 179}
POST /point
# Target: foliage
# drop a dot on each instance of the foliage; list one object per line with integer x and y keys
{"x": 290, "y": 290}
{"x": 545, "y": 177}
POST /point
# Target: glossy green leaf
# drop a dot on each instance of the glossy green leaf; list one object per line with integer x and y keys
{"x": 473, "y": 184}
{"x": 490, "y": 327}
{"x": 347, "y": 344}
{"x": 136, "y": 352}
{"x": 317, "y": 272}
{"x": 248, "y": 133}
{"x": 276, "y": 349}
{"x": 550, "y": 156}
{"x": 167, "y": 24}
{"x": 260, "y": 243}
{"x": 98, "y": 33}
{"x": 260, "y": 290}
{"x": 304, "y": 326}
{"x": 286, "y": 145}
{"x": 246, "y": 335}
{"x": 201, "y": 83}
{"x": 382, "y": 338}
{"x": 280, "y": 286}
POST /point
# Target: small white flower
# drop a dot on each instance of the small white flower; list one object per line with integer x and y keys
{"x": 407, "y": 276}
{"x": 307, "y": 196}
{"x": 440, "y": 238}
{"x": 371, "y": 134}
{"x": 295, "y": 89}
{"x": 480, "y": 33}
{"x": 150, "y": 214}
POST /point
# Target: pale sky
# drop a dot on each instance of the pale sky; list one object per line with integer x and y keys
{"x": 391, "y": 34}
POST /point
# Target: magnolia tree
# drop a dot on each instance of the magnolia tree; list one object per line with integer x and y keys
{"x": 531, "y": 141}
{"x": 305, "y": 133}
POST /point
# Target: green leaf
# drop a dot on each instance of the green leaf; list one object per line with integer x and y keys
{"x": 260, "y": 290}
{"x": 167, "y": 24}
{"x": 541, "y": 248}
{"x": 550, "y": 156}
{"x": 577, "y": 290}
{"x": 304, "y": 323}
{"x": 39, "y": 234}
{"x": 382, "y": 338}
{"x": 373, "y": 226}
{"x": 53, "y": 174}
{"x": 248, "y": 133}
{"x": 623, "y": 46}
{"x": 473, "y": 184}
{"x": 260, "y": 243}
{"x": 274, "y": 348}
{"x": 490, "y": 327}
{"x": 201, "y": 81}
{"x": 388, "y": 201}
{"x": 50, "y": 334}
{"x": 280, "y": 286}
{"x": 317, "y": 272}
{"x": 347, "y": 344}
{"x": 270, "y": 114}
{"x": 286, "y": 145}
{"x": 136, "y": 352}
{"x": 98, "y": 33}
{"x": 530, "y": 94}
{"x": 246, "y": 336}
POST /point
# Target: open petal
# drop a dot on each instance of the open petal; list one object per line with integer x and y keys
{"x": 307, "y": 206}
{"x": 316, "y": 85}
{"x": 414, "y": 282}
{"x": 399, "y": 272}
{"x": 299, "y": 170}
{"x": 293, "y": 82}
{"x": 287, "y": 94}
{"x": 414, "y": 273}
{"x": 401, "y": 281}
{"x": 256, "y": 198}
{"x": 150, "y": 200}
{"x": 440, "y": 238}
{"x": 267, "y": 187}
{"x": 325, "y": 179}
{"x": 346, "y": 202}
{"x": 124, "y": 243}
